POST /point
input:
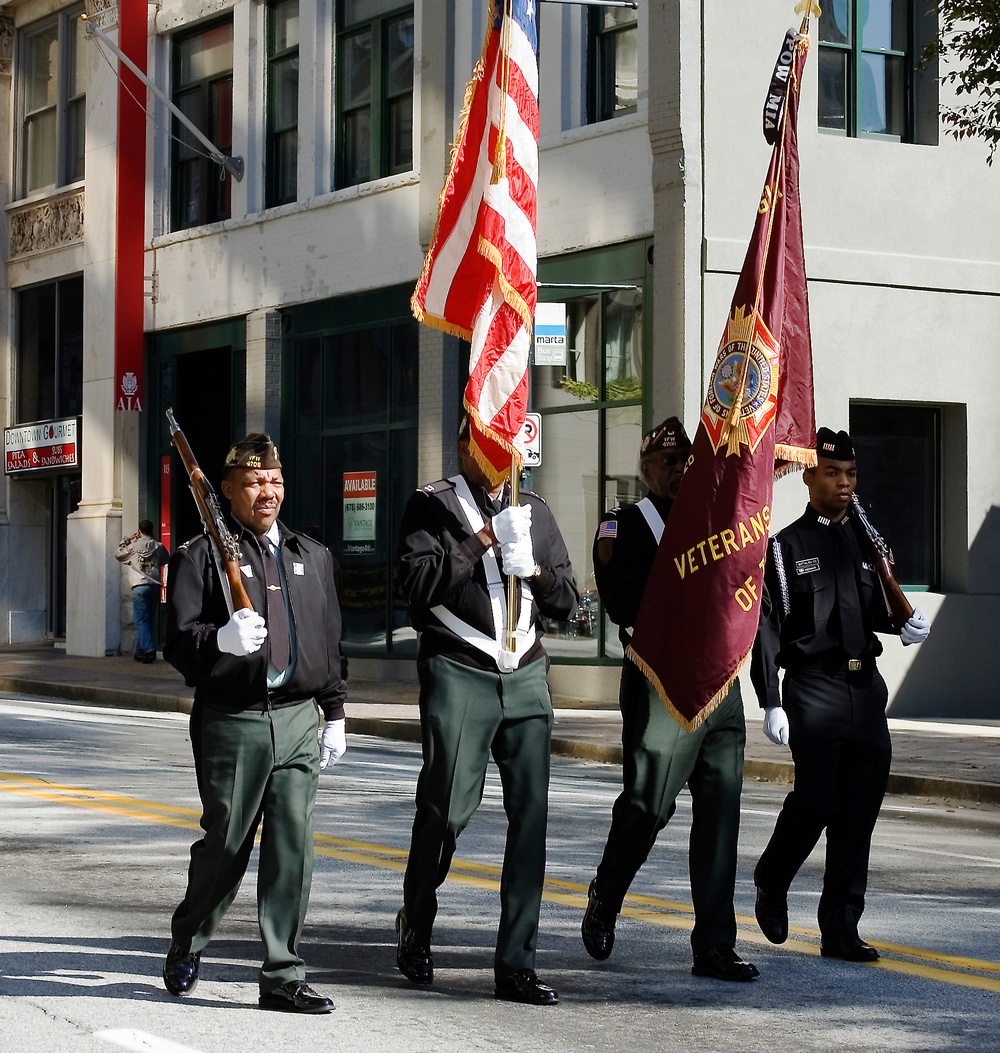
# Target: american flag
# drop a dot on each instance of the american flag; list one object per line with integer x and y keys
{"x": 478, "y": 279}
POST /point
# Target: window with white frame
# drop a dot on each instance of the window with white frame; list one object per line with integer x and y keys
{"x": 614, "y": 63}
{"x": 874, "y": 80}
{"x": 203, "y": 91}
{"x": 282, "y": 101}
{"x": 51, "y": 93}
{"x": 374, "y": 90}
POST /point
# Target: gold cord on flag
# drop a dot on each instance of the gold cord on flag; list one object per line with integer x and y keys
{"x": 500, "y": 157}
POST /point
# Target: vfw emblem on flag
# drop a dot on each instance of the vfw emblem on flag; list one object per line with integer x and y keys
{"x": 746, "y": 372}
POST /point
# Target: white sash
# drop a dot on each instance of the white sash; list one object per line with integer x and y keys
{"x": 653, "y": 518}
{"x": 506, "y": 661}
{"x": 655, "y": 523}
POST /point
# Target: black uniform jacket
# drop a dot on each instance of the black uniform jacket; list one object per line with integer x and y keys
{"x": 440, "y": 562}
{"x": 196, "y": 608}
{"x": 624, "y": 550}
{"x": 800, "y": 622}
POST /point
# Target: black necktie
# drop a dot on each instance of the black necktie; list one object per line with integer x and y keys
{"x": 277, "y": 616}
{"x": 852, "y": 629}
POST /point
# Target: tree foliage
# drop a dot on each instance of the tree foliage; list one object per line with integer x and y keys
{"x": 969, "y": 42}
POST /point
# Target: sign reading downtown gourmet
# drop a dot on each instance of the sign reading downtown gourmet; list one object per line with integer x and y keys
{"x": 42, "y": 446}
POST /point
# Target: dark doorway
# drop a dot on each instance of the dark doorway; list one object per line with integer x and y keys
{"x": 203, "y": 408}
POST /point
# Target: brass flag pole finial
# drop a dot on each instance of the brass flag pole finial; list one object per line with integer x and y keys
{"x": 807, "y": 9}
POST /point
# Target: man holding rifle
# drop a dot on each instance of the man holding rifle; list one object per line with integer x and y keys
{"x": 259, "y": 674}
{"x": 823, "y": 604}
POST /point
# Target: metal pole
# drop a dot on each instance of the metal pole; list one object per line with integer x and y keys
{"x": 595, "y": 3}
{"x": 233, "y": 165}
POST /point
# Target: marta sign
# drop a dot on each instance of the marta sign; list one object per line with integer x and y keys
{"x": 42, "y": 446}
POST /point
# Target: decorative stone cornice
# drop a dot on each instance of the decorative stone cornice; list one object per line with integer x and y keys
{"x": 44, "y": 225}
{"x": 6, "y": 45}
{"x": 103, "y": 13}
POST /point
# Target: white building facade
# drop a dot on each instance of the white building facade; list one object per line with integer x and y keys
{"x": 280, "y": 301}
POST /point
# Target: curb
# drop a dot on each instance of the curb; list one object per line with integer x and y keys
{"x": 408, "y": 730}
{"x": 116, "y": 698}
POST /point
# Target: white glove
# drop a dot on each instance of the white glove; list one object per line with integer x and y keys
{"x": 517, "y": 558}
{"x": 512, "y": 524}
{"x": 242, "y": 634}
{"x": 916, "y": 630}
{"x": 776, "y": 725}
{"x": 333, "y": 744}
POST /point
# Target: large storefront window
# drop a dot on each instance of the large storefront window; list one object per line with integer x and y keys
{"x": 591, "y": 407}
{"x": 355, "y": 438}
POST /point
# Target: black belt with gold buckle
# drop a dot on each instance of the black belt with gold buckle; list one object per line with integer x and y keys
{"x": 839, "y": 665}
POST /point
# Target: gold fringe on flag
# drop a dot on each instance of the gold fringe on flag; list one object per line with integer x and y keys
{"x": 517, "y": 460}
{"x": 705, "y": 712}
{"x": 470, "y": 90}
{"x": 796, "y": 458}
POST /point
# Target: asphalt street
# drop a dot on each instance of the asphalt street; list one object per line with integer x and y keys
{"x": 99, "y": 808}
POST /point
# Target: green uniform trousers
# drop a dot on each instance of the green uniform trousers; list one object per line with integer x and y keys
{"x": 465, "y": 714}
{"x": 659, "y": 757}
{"x": 253, "y": 766}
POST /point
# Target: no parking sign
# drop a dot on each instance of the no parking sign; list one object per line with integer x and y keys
{"x": 529, "y": 439}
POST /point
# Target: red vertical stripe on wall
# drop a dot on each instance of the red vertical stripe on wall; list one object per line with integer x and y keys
{"x": 131, "y": 194}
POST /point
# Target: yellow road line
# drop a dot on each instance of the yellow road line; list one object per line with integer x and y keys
{"x": 926, "y": 964}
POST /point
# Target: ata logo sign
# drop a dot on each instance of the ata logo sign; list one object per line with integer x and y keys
{"x": 129, "y": 399}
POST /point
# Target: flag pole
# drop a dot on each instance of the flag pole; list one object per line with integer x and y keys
{"x": 513, "y": 582}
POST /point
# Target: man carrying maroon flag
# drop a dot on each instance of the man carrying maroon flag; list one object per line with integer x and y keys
{"x": 690, "y": 581}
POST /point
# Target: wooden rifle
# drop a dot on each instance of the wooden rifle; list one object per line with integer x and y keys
{"x": 881, "y": 555}
{"x": 227, "y": 548}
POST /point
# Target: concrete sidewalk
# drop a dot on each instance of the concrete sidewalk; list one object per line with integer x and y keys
{"x": 958, "y": 762}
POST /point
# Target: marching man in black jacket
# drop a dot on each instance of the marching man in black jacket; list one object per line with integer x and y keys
{"x": 475, "y": 699}
{"x": 823, "y": 605}
{"x": 254, "y": 723}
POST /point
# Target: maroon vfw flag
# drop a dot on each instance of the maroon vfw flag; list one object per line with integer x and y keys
{"x": 700, "y": 609}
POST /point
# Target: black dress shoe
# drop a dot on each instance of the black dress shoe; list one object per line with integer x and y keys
{"x": 723, "y": 963}
{"x": 848, "y": 949}
{"x": 180, "y": 970}
{"x": 772, "y": 915}
{"x": 413, "y": 956}
{"x": 598, "y": 927}
{"x": 522, "y": 985}
{"x": 296, "y": 996}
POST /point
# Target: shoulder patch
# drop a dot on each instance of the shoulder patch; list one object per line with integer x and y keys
{"x": 438, "y": 487}
{"x": 608, "y": 528}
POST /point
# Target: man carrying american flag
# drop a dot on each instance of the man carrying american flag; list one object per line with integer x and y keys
{"x": 480, "y": 660}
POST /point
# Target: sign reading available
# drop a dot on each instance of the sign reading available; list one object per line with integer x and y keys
{"x": 45, "y": 444}
{"x": 359, "y": 510}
